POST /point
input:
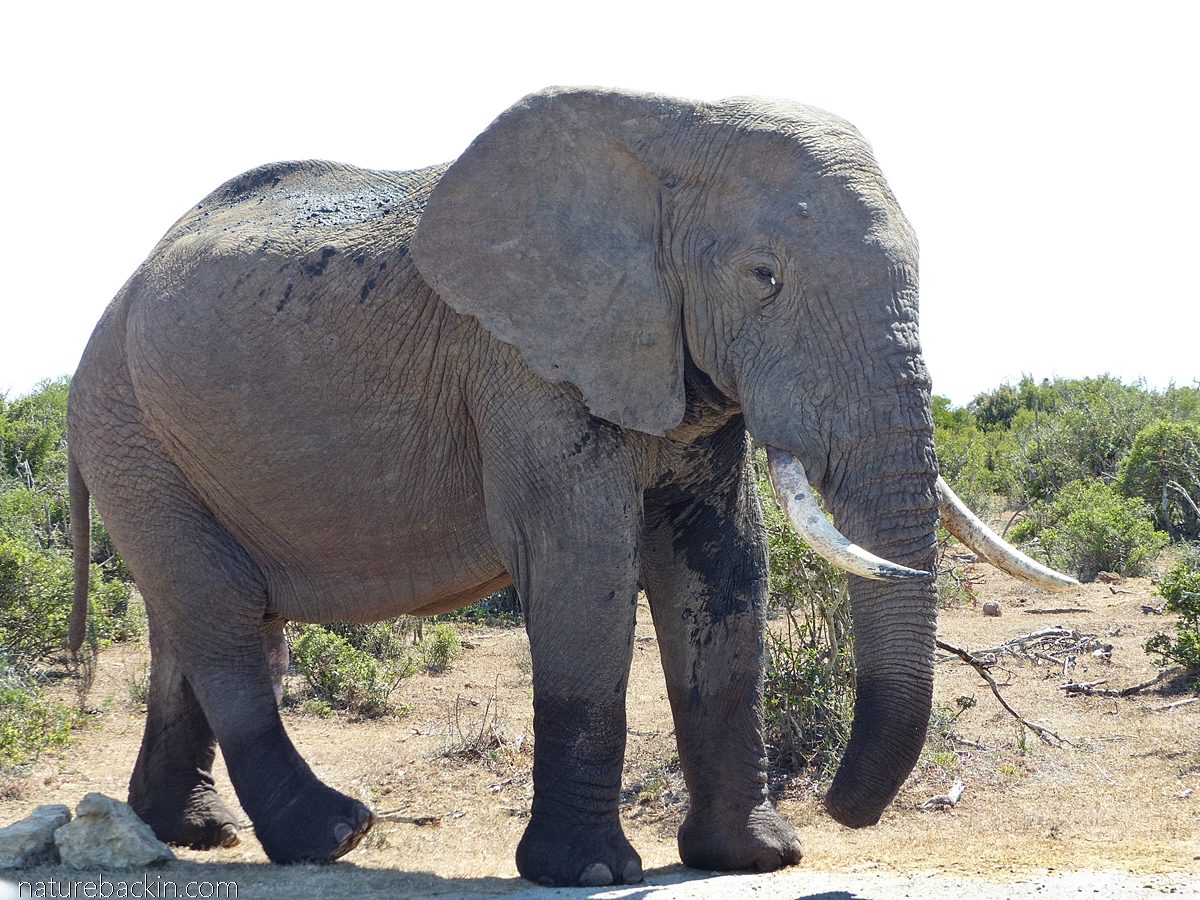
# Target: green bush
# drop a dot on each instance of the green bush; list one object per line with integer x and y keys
{"x": 1181, "y": 589}
{"x": 1022, "y": 530}
{"x": 388, "y": 641}
{"x": 341, "y": 675}
{"x": 440, "y": 647}
{"x": 29, "y": 721}
{"x": 1080, "y": 429}
{"x": 994, "y": 410}
{"x": 808, "y": 702}
{"x": 1093, "y": 529}
{"x": 36, "y": 591}
{"x": 1163, "y": 468}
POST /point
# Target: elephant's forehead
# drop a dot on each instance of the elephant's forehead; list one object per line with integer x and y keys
{"x": 777, "y": 187}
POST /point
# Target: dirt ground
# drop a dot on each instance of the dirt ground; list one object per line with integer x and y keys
{"x": 450, "y": 778}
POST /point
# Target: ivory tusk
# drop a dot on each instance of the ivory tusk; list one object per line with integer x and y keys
{"x": 966, "y": 526}
{"x": 800, "y": 505}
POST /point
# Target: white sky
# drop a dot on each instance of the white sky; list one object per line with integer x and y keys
{"x": 1045, "y": 151}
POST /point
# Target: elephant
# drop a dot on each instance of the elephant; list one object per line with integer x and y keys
{"x": 332, "y": 393}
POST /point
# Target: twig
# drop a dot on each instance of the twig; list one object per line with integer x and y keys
{"x": 965, "y": 743}
{"x": 1024, "y": 639}
{"x": 1049, "y": 658}
{"x": 1086, "y": 687}
{"x": 1092, "y": 689}
{"x": 1047, "y": 736}
{"x": 1177, "y": 703}
{"x": 946, "y": 800}
{"x": 1056, "y": 611}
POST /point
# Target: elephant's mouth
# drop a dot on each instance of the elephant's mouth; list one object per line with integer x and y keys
{"x": 798, "y": 502}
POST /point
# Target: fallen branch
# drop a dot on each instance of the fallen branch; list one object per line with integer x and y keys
{"x": 1093, "y": 689}
{"x": 1061, "y": 610}
{"x": 946, "y": 801}
{"x": 1176, "y": 704}
{"x": 1051, "y": 738}
{"x": 1009, "y": 645}
{"x": 962, "y": 741}
{"x": 1086, "y": 687}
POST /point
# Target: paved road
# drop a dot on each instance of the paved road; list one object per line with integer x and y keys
{"x": 799, "y": 885}
{"x": 789, "y": 885}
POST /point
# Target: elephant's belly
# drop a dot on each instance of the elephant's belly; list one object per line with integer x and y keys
{"x": 303, "y": 595}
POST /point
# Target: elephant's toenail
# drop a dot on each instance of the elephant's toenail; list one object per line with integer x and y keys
{"x": 632, "y": 873}
{"x": 341, "y": 832}
{"x": 595, "y": 875}
{"x": 768, "y": 862}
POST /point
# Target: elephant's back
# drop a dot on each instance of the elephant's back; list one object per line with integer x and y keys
{"x": 295, "y": 203}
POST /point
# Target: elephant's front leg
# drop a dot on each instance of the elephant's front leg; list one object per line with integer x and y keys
{"x": 705, "y": 573}
{"x": 575, "y": 564}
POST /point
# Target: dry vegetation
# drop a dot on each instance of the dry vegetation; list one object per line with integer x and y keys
{"x": 450, "y": 778}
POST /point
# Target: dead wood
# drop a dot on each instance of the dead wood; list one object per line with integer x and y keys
{"x": 1176, "y": 704}
{"x": 948, "y": 800}
{"x": 1093, "y": 689}
{"x": 1056, "y": 611}
{"x": 1048, "y": 737}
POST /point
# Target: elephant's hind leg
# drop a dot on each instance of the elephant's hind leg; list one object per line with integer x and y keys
{"x": 215, "y": 649}
{"x": 172, "y": 786}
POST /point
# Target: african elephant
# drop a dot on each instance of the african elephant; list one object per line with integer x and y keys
{"x": 340, "y": 394}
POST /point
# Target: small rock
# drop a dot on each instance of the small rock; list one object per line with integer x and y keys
{"x": 991, "y": 608}
{"x": 1109, "y": 577}
{"x": 107, "y": 834}
{"x": 31, "y": 840}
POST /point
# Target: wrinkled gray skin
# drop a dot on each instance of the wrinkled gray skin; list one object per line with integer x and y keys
{"x": 333, "y": 394}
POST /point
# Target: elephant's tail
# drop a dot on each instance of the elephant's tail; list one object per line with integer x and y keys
{"x": 81, "y": 543}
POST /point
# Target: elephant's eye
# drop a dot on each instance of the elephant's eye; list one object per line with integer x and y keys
{"x": 764, "y": 273}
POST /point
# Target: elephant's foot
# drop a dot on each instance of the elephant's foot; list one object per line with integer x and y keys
{"x": 319, "y": 826}
{"x": 199, "y": 820}
{"x": 554, "y": 853}
{"x": 763, "y": 841}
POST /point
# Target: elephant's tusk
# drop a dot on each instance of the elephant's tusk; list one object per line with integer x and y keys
{"x": 966, "y": 526}
{"x": 800, "y": 505}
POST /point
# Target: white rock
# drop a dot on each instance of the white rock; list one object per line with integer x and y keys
{"x": 31, "y": 840}
{"x": 991, "y": 608}
{"x": 107, "y": 834}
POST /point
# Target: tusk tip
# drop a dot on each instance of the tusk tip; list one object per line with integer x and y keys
{"x": 894, "y": 572}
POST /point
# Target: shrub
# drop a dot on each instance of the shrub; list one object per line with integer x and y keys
{"x": 809, "y": 698}
{"x": 387, "y": 641}
{"x": 36, "y": 591}
{"x": 341, "y": 675}
{"x": 1181, "y": 589}
{"x": 440, "y": 648}
{"x": 1080, "y": 429}
{"x": 1163, "y": 468}
{"x": 29, "y": 721}
{"x": 1093, "y": 529}
{"x": 994, "y": 410}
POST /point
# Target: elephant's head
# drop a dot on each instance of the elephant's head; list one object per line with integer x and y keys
{"x": 607, "y": 234}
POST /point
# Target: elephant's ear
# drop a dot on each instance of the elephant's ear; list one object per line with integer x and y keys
{"x": 547, "y": 229}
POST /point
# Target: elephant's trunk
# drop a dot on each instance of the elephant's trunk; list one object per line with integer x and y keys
{"x": 894, "y": 624}
{"x": 894, "y": 513}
